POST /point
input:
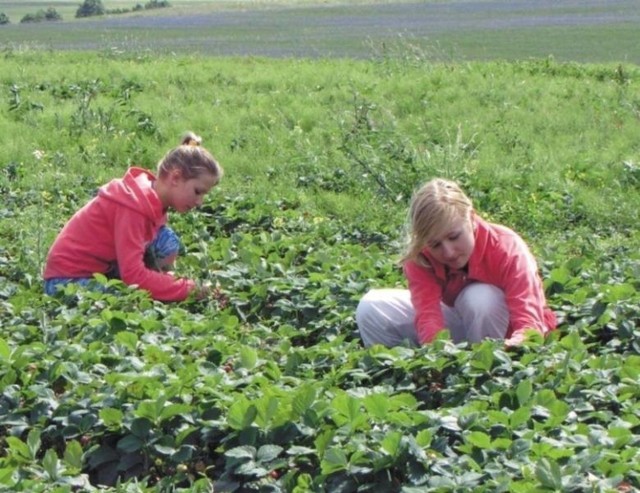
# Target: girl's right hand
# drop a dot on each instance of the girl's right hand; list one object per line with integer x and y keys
{"x": 206, "y": 291}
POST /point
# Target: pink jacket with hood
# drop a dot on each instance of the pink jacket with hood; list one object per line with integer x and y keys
{"x": 114, "y": 228}
{"x": 500, "y": 257}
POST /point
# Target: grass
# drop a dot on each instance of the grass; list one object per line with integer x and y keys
{"x": 560, "y": 136}
{"x": 450, "y": 31}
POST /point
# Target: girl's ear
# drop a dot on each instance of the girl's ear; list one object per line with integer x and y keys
{"x": 175, "y": 176}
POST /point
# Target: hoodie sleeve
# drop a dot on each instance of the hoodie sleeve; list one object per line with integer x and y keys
{"x": 131, "y": 233}
{"x": 524, "y": 293}
{"x": 426, "y": 294}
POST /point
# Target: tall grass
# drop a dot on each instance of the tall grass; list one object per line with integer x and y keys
{"x": 543, "y": 146}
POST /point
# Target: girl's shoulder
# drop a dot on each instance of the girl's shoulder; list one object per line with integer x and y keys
{"x": 497, "y": 234}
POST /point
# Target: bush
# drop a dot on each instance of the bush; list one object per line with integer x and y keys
{"x": 90, "y": 8}
{"x": 4, "y": 19}
{"x": 42, "y": 15}
{"x": 52, "y": 15}
{"x": 156, "y": 4}
{"x": 117, "y": 11}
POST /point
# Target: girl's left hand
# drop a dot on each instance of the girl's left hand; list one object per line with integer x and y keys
{"x": 522, "y": 335}
{"x": 516, "y": 339}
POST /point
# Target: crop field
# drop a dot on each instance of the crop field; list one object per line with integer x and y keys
{"x": 588, "y": 31}
{"x": 270, "y": 389}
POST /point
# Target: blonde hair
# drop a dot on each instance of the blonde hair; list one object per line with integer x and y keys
{"x": 191, "y": 159}
{"x": 434, "y": 207}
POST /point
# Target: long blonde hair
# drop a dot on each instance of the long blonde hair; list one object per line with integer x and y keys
{"x": 191, "y": 159}
{"x": 434, "y": 207}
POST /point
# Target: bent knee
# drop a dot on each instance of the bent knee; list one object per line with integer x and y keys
{"x": 481, "y": 299}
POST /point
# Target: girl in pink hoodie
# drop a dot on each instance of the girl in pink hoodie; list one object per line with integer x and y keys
{"x": 122, "y": 232}
{"x": 477, "y": 279}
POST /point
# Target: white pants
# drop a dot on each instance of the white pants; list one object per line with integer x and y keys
{"x": 386, "y": 316}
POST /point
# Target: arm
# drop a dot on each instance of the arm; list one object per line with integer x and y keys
{"x": 524, "y": 293}
{"x": 426, "y": 296}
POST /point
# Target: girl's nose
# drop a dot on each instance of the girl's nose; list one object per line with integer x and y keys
{"x": 447, "y": 250}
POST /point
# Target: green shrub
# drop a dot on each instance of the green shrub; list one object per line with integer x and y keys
{"x": 52, "y": 15}
{"x": 90, "y": 8}
{"x": 42, "y": 15}
{"x": 4, "y": 19}
{"x": 156, "y": 4}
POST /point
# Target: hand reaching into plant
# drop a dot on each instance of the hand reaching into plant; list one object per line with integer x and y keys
{"x": 206, "y": 291}
{"x": 519, "y": 337}
{"x": 516, "y": 339}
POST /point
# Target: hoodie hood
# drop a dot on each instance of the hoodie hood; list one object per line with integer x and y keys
{"x": 135, "y": 191}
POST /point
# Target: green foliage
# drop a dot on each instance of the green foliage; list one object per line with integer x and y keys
{"x": 41, "y": 15}
{"x": 90, "y": 8}
{"x": 271, "y": 390}
{"x": 4, "y": 19}
{"x": 157, "y": 4}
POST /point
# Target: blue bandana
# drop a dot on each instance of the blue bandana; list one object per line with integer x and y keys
{"x": 165, "y": 244}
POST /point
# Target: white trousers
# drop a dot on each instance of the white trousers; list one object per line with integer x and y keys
{"x": 386, "y": 316}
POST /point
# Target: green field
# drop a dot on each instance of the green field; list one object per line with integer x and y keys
{"x": 273, "y": 391}
{"x": 454, "y": 30}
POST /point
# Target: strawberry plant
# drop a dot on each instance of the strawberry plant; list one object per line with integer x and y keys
{"x": 265, "y": 387}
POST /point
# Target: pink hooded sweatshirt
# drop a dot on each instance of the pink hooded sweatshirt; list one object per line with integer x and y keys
{"x": 500, "y": 257}
{"x": 115, "y": 227}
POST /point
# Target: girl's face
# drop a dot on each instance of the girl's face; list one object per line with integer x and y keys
{"x": 454, "y": 246}
{"x": 184, "y": 195}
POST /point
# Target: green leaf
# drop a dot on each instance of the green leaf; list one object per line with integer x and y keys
{"x": 164, "y": 449}
{"x": 34, "y": 442}
{"x": 520, "y": 416}
{"x": 5, "y": 350}
{"x": 73, "y": 456}
{"x": 141, "y": 427}
{"x": 423, "y": 438}
{"x": 151, "y": 409}
{"x": 51, "y": 464}
{"x": 242, "y": 452}
{"x": 248, "y": 357}
{"x": 523, "y": 392}
{"x": 479, "y": 439}
{"x": 130, "y": 444}
{"x": 334, "y": 460}
{"x": 302, "y": 401}
{"x": 347, "y": 411}
{"x": 8, "y": 476}
{"x": 520, "y": 446}
{"x": 175, "y": 410}
{"x": 377, "y": 405}
{"x": 127, "y": 339}
{"x": 267, "y": 453}
{"x": 622, "y": 436}
{"x": 549, "y": 474}
{"x": 501, "y": 443}
{"x": 391, "y": 443}
{"x": 241, "y": 414}
{"x": 112, "y": 418}
{"x": 102, "y": 455}
{"x": 545, "y": 398}
{"x": 268, "y": 407}
{"x": 483, "y": 357}
{"x": 19, "y": 449}
{"x": 323, "y": 440}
